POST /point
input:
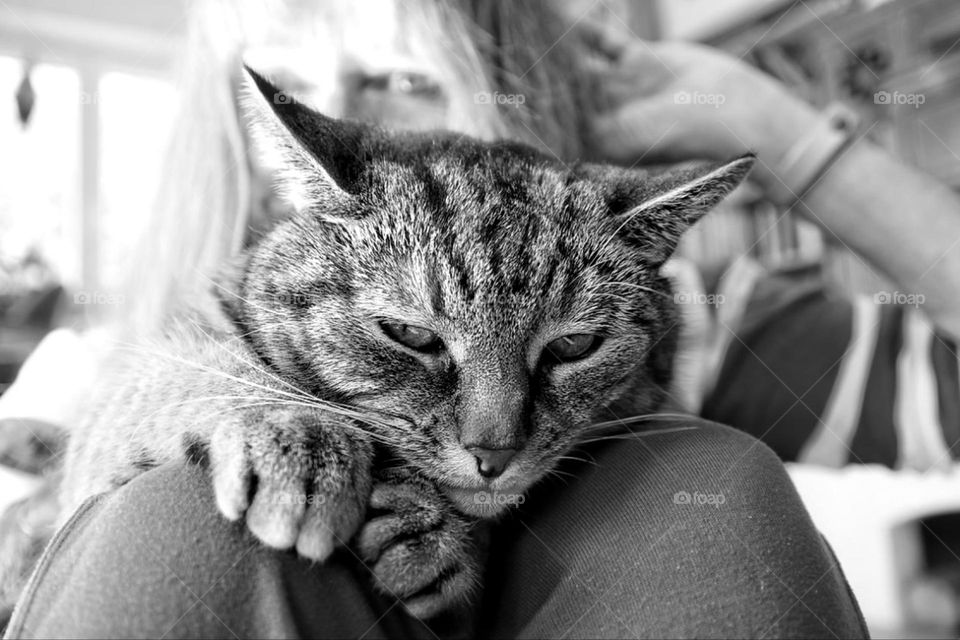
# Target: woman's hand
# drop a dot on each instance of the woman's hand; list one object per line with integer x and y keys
{"x": 672, "y": 101}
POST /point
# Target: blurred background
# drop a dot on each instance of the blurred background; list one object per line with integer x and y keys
{"x": 88, "y": 97}
{"x": 88, "y": 101}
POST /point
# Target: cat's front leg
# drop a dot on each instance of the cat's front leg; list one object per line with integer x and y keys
{"x": 299, "y": 476}
{"x": 419, "y": 547}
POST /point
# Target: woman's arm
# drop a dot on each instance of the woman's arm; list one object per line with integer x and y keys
{"x": 903, "y": 221}
{"x": 675, "y": 101}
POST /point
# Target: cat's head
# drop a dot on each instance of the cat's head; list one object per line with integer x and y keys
{"x": 497, "y": 299}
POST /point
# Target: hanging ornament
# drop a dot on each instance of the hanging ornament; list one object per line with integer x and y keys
{"x": 26, "y": 96}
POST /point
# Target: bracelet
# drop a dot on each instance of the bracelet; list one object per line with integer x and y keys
{"x": 813, "y": 155}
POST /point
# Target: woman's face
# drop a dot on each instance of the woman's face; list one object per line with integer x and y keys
{"x": 353, "y": 61}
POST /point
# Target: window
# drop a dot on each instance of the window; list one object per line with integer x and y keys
{"x": 103, "y": 148}
{"x": 40, "y": 176}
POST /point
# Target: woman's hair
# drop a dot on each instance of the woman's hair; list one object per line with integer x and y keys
{"x": 207, "y": 201}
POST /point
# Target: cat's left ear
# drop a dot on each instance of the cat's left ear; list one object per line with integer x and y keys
{"x": 320, "y": 159}
{"x": 653, "y": 211}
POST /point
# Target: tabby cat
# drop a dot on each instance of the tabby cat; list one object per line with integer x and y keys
{"x": 440, "y": 321}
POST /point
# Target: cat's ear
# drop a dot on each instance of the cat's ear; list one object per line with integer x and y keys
{"x": 319, "y": 158}
{"x": 653, "y": 211}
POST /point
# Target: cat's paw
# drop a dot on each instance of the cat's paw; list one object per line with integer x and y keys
{"x": 418, "y": 546}
{"x": 300, "y": 477}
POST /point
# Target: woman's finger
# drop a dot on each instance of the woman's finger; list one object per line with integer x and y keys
{"x": 634, "y": 131}
{"x": 602, "y": 38}
{"x": 598, "y": 67}
{"x": 650, "y": 62}
{"x": 618, "y": 84}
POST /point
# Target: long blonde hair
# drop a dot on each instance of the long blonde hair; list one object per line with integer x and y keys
{"x": 206, "y": 202}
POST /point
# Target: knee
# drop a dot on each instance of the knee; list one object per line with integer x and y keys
{"x": 162, "y": 528}
{"x": 132, "y": 562}
{"x": 717, "y": 491}
{"x": 701, "y": 513}
{"x": 155, "y": 557}
{"x": 698, "y": 480}
{"x": 697, "y": 460}
{"x": 723, "y": 457}
{"x": 743, "y": 471}
{"x": 170, "y": 505}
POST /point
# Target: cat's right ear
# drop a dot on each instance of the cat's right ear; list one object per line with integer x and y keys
{"x": 319, "y": 158}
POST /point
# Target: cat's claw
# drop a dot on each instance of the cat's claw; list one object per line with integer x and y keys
{"x": 298, "y": 480}
{"x": 420, "y": 550}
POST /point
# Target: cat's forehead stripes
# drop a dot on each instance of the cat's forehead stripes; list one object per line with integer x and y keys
{"x": 494, "y": 229}
{"x": 508, "y": 245}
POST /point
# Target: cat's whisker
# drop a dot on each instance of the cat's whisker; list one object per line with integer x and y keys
{"x": 269, "y": 403}
{"x": 587, "y": 454}
{"x": 265, "y": 328}
{"x": 170, "y": 405}
{"x": 646, "y": 417}
{"x": 239, "y": 297}
{"x": 605, "y": 294}
{"x": 620, "y": 428}
{"x": 633, "y": 285}
{"x": 577, "y": 459}
{"x": 313, "y": 400}
{"x": 251, "y": 304}
{"x": 299, "y": 396}
{"x": 260, "y": 402}
{"x": 239, "y": 358}
{"x": 399, "y": 464}
{"x": 634, "y": 434}
{"x": 563, "y": 476}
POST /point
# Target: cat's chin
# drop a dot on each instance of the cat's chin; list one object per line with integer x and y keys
{"x": 483, "y": 502}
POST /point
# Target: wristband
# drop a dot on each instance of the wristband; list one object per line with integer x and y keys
{"x": 813, "y": 155}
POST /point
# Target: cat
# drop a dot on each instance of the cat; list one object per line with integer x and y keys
{"x": 440, "y": 321}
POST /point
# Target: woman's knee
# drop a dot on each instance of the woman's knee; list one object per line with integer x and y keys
{"x": 702, "y": 482}
{"x": 155, "y": 558}
{"x": 706, "y": 465}
{"x": 686, "y": 529}
{"x": 150, "y": 558}
{"x": 682, "y": 463}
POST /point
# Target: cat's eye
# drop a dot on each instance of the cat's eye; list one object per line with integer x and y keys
{"x": 416, "y": 338}
{"x": 572, "y": 347}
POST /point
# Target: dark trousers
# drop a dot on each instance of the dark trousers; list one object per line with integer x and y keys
{"x": 693, "y": 533}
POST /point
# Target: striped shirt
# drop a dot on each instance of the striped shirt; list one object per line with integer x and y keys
{"x": 821, "y": 377}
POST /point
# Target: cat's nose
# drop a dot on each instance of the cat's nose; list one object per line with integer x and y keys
{"x": 492, "y": 462}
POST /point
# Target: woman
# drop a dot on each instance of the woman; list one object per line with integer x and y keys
{"x": 628, "y": 549}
